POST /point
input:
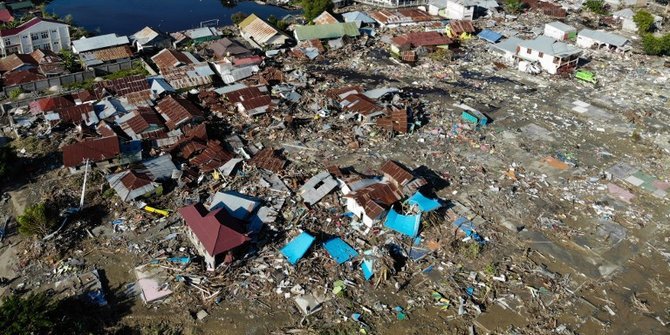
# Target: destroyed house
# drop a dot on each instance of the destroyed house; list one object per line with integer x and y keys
{"x": 216, "y": 234}
{"x": 326, "y": 31}
{"x": 460, "y": 28}
{"x": 427, "y": 40}
{"x": 370, "y": 203}
{"x": 143, "y": 180}
{"x": 366, "y": 108}
{"x": 50, "y": 104}
{"x": 17, "y": 62}
{"x": 395, "y": 120}
{"x": 269, "y": 159}
{"x": 552, "y": 55}
{"x": 212, "y": 157}
{"x": 396, "y": 173}
{"x": 143, "y": 123}
{"x": 260, "y": 33}
{"x": 99, "y": 151}
{"x": 250, "y": 100}
{"x": 75, "y": 115}
{"x": 178, "y": 111}
{"x": 122, "y": 86}
{"x": 21, "y": 77}
{"x": 317, "y": 187}
{"x": 401, "y": 17}
{"x": 190, "y": 75}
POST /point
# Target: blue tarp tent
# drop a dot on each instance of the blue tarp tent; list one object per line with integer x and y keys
{"x": 404, "y": 224}
{"x": 297, "y": 248}
{"x": 339, "y": 250}
{"x": 490, "y": 36}
{"x": 425, "y": 204}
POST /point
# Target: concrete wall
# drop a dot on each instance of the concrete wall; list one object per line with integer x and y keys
{"x": 45, "y": 84}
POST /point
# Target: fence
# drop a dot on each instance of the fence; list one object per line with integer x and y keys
{"x": 105, "y": 69}
{"x": 45, "y": 84}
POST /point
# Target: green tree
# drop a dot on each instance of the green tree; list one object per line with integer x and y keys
{"x": 513, "y": 6}
{"x": 37, "y": 219}
{"x": 15, "y": 93}
{"x": 238, "y": 17}
{"x": 7, "y": 160}
{"x": 312, "y": 8}
{"x": 70, "y": 60}
{"x": 644, "y": 21}
{"x": 32, "y": 314}
{"x": 596, "y": 6}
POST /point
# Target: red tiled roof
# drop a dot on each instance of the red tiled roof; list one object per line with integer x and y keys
{"x": 14, "y": 61}
{"x": 134, "y": 180}
{"x": 21, "y": 77}
{"x": 217, "y": 230}
{"x": 177, "y": 111}
{"x": 269, "y": 159}
{"x": 50, "y": 104}
{"x": 122, "y": 86}
{"x": 22, "y": 27}
{"x": 396, "y": 172}
{"x": 168, "y": 59}
{"x": 212, "y": 157}
{"x": 98, "y": 149}
{"x": 75, "y": 114}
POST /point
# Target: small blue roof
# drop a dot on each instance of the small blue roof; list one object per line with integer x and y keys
{"x": 465, "y": 225}
{"x": 357, "y": 16}
{"x": 404, "y": 224}
{"x": 297, "y": 248}
{"x": 490, "y": 36}
{"x": 425, "y": 204}
{"x": 339, "y": 250}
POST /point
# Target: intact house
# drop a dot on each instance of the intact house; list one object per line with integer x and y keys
{"x": 142, "y": 181}
{"x": 461, "y": 9}
{"x": 226, "y": 47}
{"x": 261, "y": 34}
{"x": 327, "y": 31}
{"x": 37, "y": 33}
{"x": 325, "y": 18}
{"x": 149, "y": 39}
{"x": 560, "y": 31}
{"x": 552, "y": 55}
{"x": 102, "y": 49}
{"x": 216, "y": 234}
{"x": 598, "y": 39}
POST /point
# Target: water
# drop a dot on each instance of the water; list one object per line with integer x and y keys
{"x": 126, "y": 17}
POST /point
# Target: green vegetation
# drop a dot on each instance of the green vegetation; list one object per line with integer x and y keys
{"x": 70, "y": 61}
{"x": 32, "y": 314}
{"x": 7, "y": 161}
{"x": 280, "y": 24}
{"x": 644, "y": 21}
{"x": 15, "y": 93}
{"x": 596, "y": 6}
{"x": 441, "y": 55}
{"x": 313, "y": 8}
{"x": 490, "y": 269}
{"x": 238, "y": 17}
{"x": 513, "y": 6}
{"x": 36, "y": 220}
{"x": 136, "y": 70}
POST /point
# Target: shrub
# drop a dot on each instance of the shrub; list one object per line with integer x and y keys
{"x": 14, "y": 94}
{"x": 644, "y": 21}
{"x": 596, "y": 6}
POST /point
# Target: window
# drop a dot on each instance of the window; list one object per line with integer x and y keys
{"x": 556, "y": 60}
{"x": 8, "y": 41}
{"x": 34, "y": 36}
{"x": 44, "y": 34}
{"x": 529, "y": 51}
{"x": 55, "y": 42}
{"x": 53, "y": 31}
{"x": 46, "y": 47}
{"x": 541, "y": 54}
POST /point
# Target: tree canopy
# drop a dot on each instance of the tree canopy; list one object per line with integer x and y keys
{"x": 312, "y": 8}
{"x": 644, "y": 21}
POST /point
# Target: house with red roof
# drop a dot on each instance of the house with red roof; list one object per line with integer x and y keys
{"x": 101, "y": 151}
{"x": 37, "y": 33}
{"x": 217, "y": 235}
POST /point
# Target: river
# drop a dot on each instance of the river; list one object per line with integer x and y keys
{"x": 126, "y": 17}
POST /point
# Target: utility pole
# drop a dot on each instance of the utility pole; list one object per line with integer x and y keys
{"x": 83, "y": 187}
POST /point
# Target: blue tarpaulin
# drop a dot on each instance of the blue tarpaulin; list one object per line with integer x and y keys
{"x": 490, "y": 36}
{"x": 368, "y": 264}
{"x": 468, "y": 228}
{"x": 425, "y": 204}
{"x": 339, "y": 250}
{"x": 297, "y": 248}
{"x": 404, "y": 224}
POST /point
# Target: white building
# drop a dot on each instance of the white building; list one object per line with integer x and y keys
{"x": 461, "y": 9}
{"x": 551, "y": 54}
{"x": 507, "y": 48}
{"x": 35, "y": 34}
{"x": 588, "y": 38}
{"x": 560, "y": 31}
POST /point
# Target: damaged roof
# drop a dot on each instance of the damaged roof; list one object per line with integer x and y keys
{"x": 326, "y": 31}
{"x": 217, "y": 230}
{"x": 98, "y": 149}
{"x": 177, "y": 111}
{"x": 396, "y": 172}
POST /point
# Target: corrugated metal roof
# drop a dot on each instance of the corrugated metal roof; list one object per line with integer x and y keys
{"x": 325, "y": 18}
{"x": 550, "y": 46}
{"x": 96, "y": 150}
{"x": 489, "y": 36}
{"x": 98, "y": 42}
{"x": 604, "y": 37}
{"x": 326, "y": 31}
{"x": 357, "y": 17}
{"x": 217, "y": 230}
{"x": 260, "y": 30}
{"x": 561, "y": 26}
